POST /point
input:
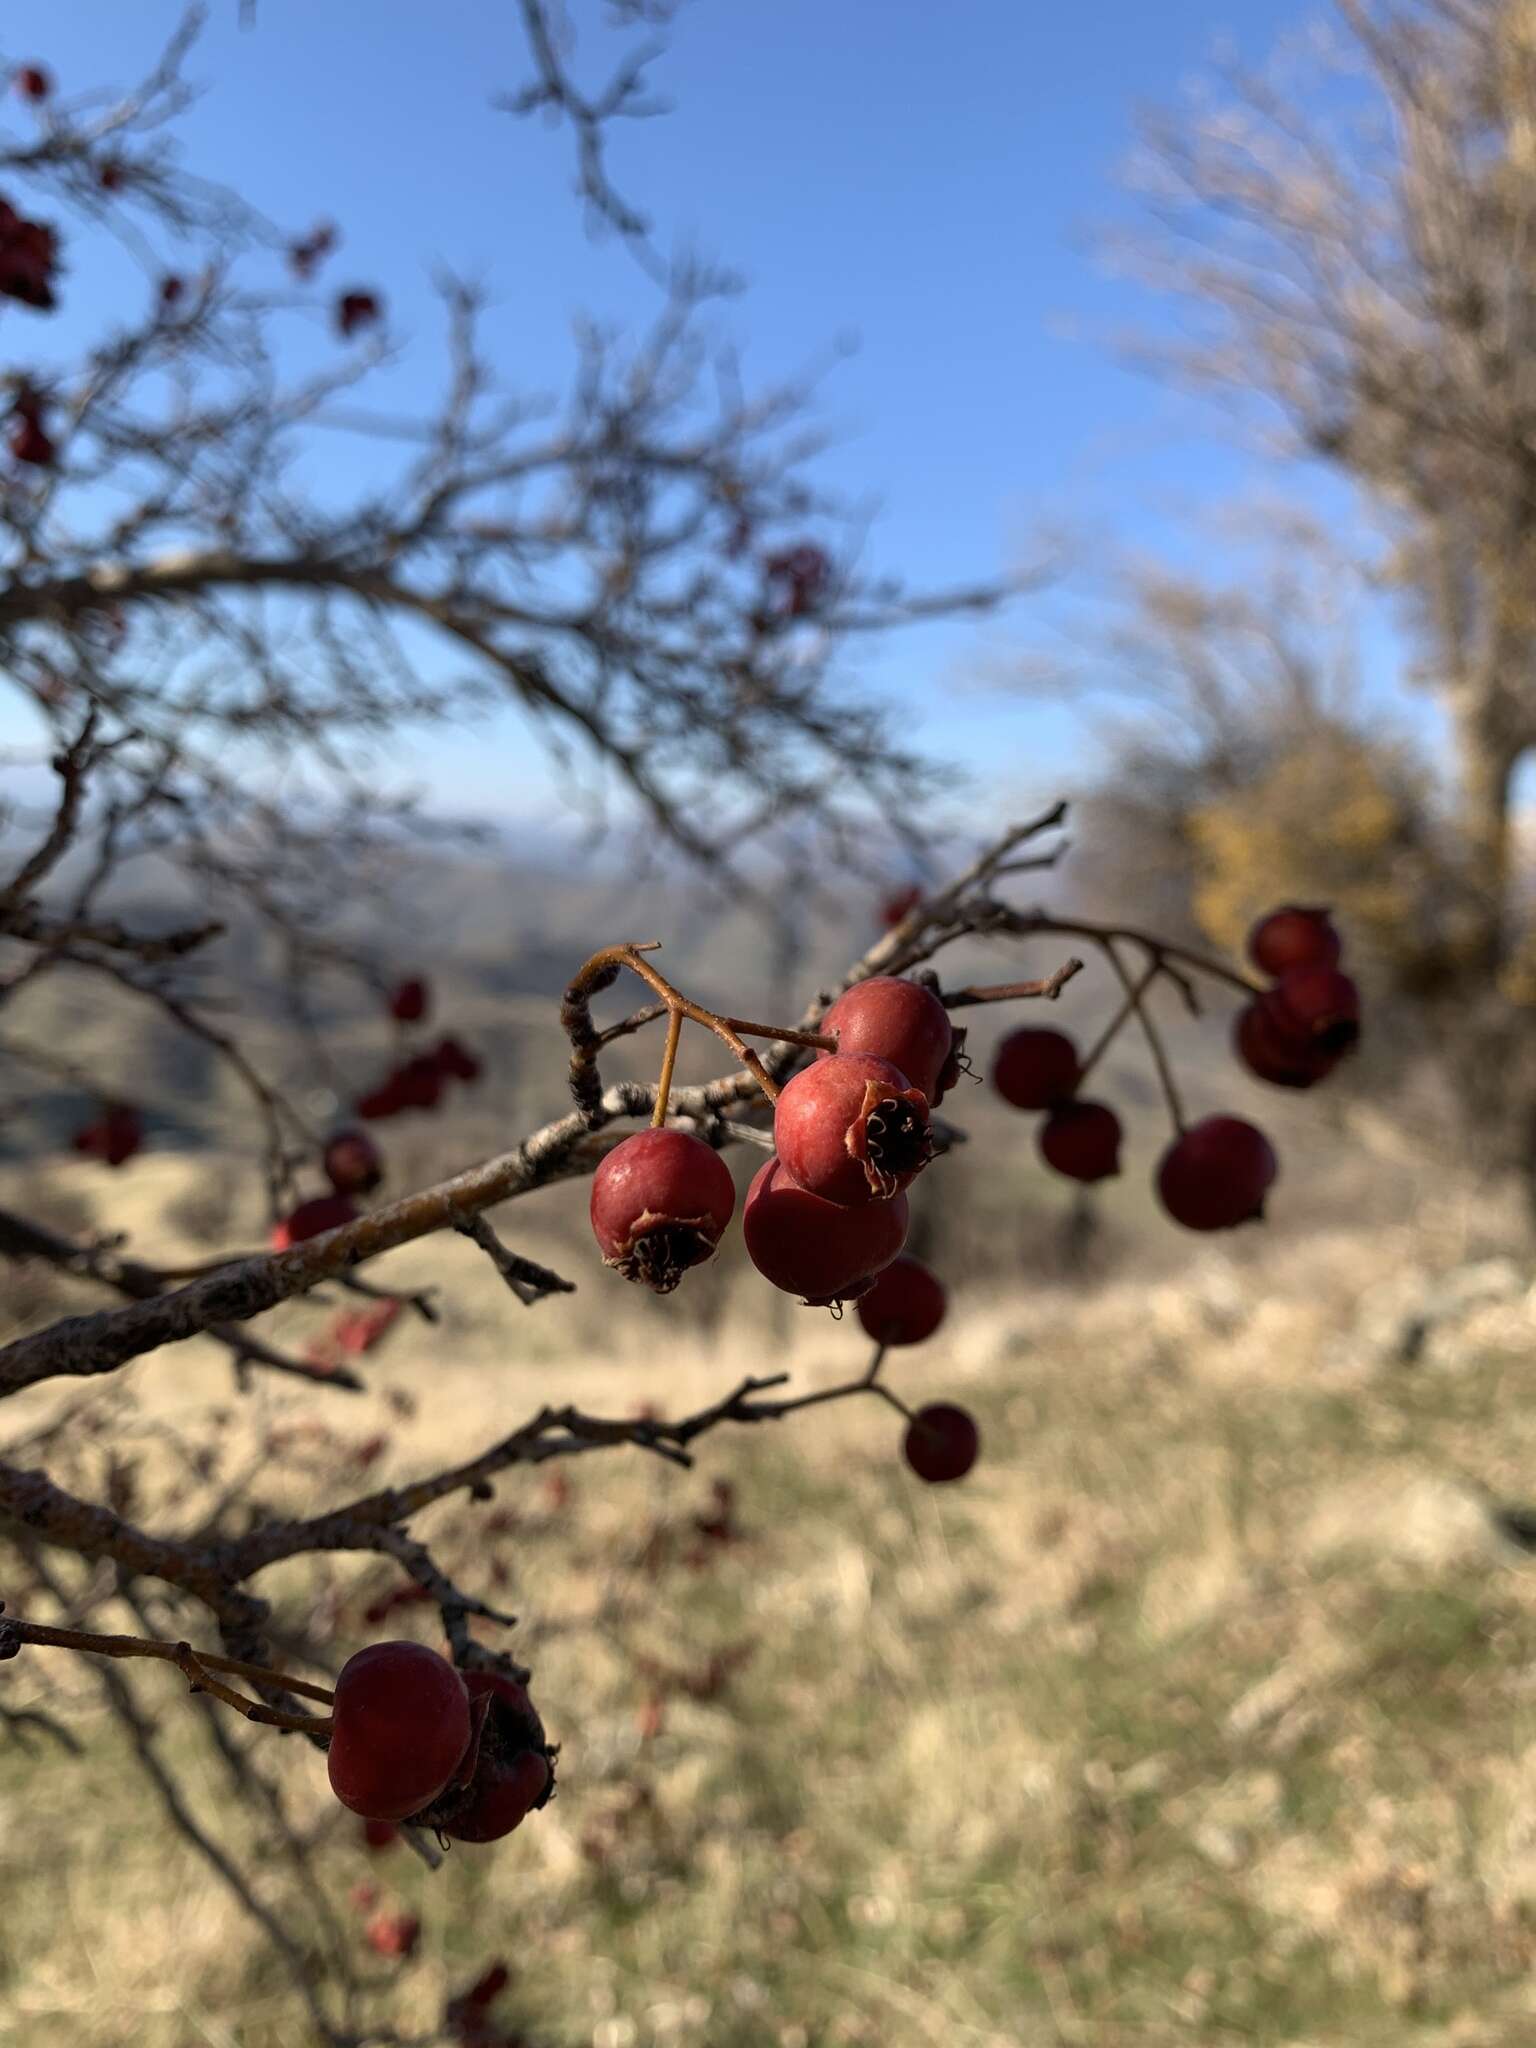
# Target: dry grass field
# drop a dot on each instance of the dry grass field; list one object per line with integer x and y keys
{"x": 1204, "y": 1711}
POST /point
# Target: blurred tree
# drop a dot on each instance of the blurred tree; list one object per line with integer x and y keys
{"x": 1349, "y": 231}
{"x": 1248, "y": 771}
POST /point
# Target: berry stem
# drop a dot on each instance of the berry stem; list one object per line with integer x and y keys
{"x": 1133, "y": 997}
{"x": 599, "y": 972}
{"x": 1116, "y": 1023}
{"x": 198, "y": 1666}
{"x": 668, "y": 1063}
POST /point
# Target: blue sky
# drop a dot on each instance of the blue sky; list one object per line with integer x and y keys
{"x": 924, "y": 184}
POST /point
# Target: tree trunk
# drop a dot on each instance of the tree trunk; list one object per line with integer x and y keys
{"x": 1485, "y": 763}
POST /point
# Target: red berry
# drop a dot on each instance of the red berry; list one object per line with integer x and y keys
{"x": 1320, "y": 1005}
{"x": 33, "y": 82}
{"x": 393, "y": 1934}
{"x": 905, "y": 1305}
{"x": 899, "y": 905}
{"x": 110, "y": 176}
{"x": 852, "y": 1129}
{"x": 1217, "y": 1174}
{"x": 1081, "y": 1140}
{"x": 30, "y": 441}
{"x": 353, "y": 1163}
{"x": 1294, "y": 937}
{"x": 419, "y": 1082}
{"x": 1034, "y": 1068}
{"x": 895, "y": 1020}
{"x": 171, "y": 289}
{"x": 114, "y": 1137}
{"x": 659, "y": 1203}
{"x": 455, "y": 1059}
{"x": 819, "y": 1250}
{"x": 309, "y": 1219}
{"x": 508, "y": 1772}
{"x": 941, "y": 1442}
{"x": 388, "y": 1099}
{"x": 1275, "y": 1054}
{"x": 380, "y": 1834}
{"x": 29, "y": 254}
{"x": 357, "y": 309}
{"x": 408, "y": 1002}
{"x": 400, "y": 1726}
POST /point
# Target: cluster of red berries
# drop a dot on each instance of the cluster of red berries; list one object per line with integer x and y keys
{"x": 1038, "y": 1069}
{"x": 906, "y": 1305}
{"x": 414, "y": 1739}
{"x": 828, "y": 1211}
{"x": 113, "y": 1137}
{"x": 417, "y": 1082}
{"x": 1217, "y": 1172}
{"x": 353, "y": 1165}
{"x": 1298, "y": 1030}
{"x": 30, "y": 440}
{"x": 826, "y": 1217}
{"x": 29, "y": 257}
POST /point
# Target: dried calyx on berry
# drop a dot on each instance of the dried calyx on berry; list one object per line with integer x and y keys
{"x": 852, "y": 1129}
{"x": 507, "y": 1770}
{"x": 660, "y": 1202}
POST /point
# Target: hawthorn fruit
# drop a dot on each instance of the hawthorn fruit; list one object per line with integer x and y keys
{"x": 29, "y": 254}
{"x": 320, "y": 1213}
{"x": 1216, "y": 1174}
{"x": 1034, "y": 1068}
{"x": 355, "y": 310}
{"x": 115, "y": 1136}
{"x": 1320, "y": 1005}
{"x": 820, "y": 1250}
{"x": 1294, "y": 936}
{"x": 894, "y": 1020}
{"x": 905, "y": 1305}
{"x": 852, "y": 1129}
{"x": 1274, "y": 1052}
{"x": 353, "y": 1163}
{"x": 941, "y": 1442}
{"x": 409, "y": 1001}
{"x": 400, "y": 1725}
{"x": 660, "y": 1201}
{"x": 456, "y": 1061}
{"x": 1082, "y": 1141}
{"x": 509, "y": 1769}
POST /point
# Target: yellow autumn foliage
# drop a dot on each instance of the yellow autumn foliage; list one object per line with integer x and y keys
{"x": 1334, "y": 820}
